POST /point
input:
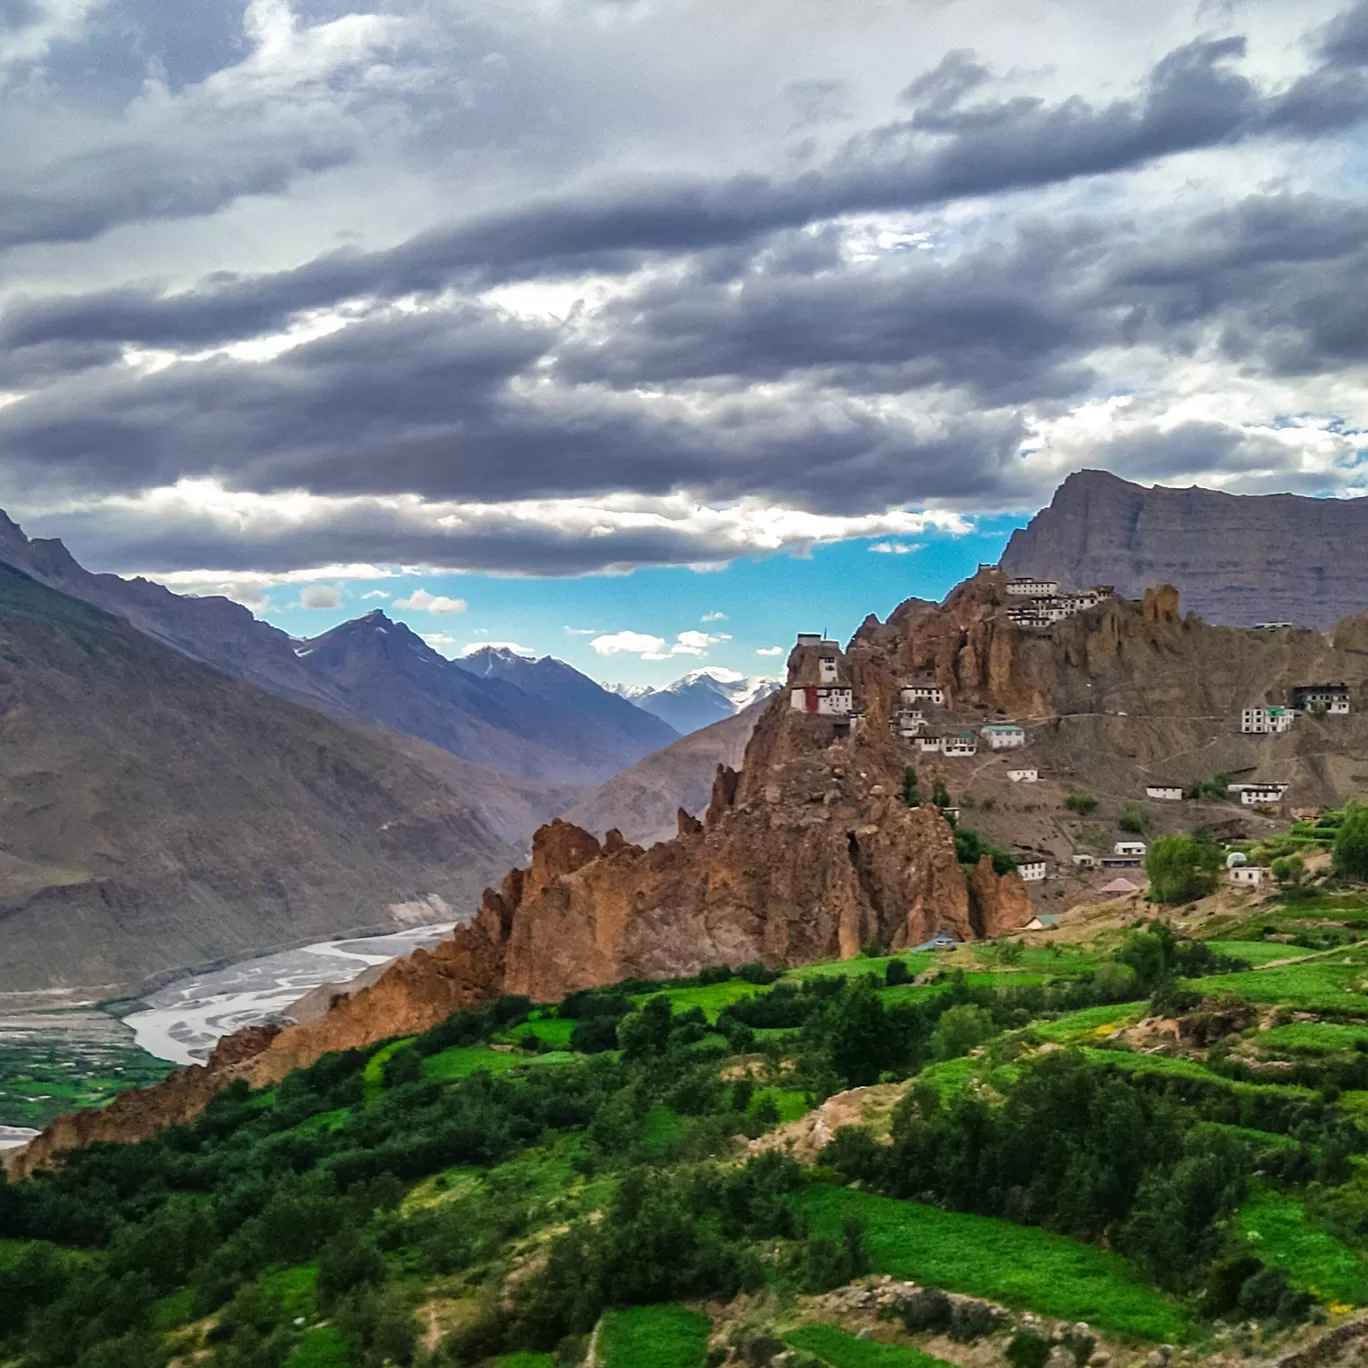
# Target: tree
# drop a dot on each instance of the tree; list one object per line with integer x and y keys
{"x": 910, "y": 794}
{"x": 1081, "y": 803}
{"x": 1133, "y": 819}
{"x": 859, "y": 1036}
{"x": 940, "y": 795}
{"x": 960, "y": 1029}
{"x": 1288, "y": 869}
{"x": 1182, "y": 867}
{"x": 1349, "y": 855}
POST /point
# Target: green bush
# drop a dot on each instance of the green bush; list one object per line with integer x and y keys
{"x": 1349, "y": 854}
{"x": 1181, "y": 868}
{"x": 1134, "y": 819}
{"x": 1081, "y": 803}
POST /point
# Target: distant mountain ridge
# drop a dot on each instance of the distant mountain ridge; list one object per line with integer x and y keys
{"x": 561, "y": 729}
{"x": 386, "y": 671}
{"x": 1237, "y": 559}
{"x": 156, "y": 814}
{"x": 701, "y": 697}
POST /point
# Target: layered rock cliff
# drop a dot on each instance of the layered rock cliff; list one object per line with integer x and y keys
{"x": 809, "y": 852}
{"x": 1235, "y": 558}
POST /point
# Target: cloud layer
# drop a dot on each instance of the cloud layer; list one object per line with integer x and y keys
{"x": 300, "y": 285}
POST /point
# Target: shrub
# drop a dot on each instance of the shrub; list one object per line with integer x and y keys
{"x": 1181, "y": 867}
{"x": 1133, "y": 819}
{"x": 1349, "y": 854}
{"x": 911, "y": 796}
{"x": 1081, "y": 803}
{"x": 896, "y": 973}
{"x": 1026, "y": 1349}
{"x": 959, "y": 1030}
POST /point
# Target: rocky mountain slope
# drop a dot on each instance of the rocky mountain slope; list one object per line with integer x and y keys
{"x": 1235, "y": 558}
{"x": 156, "y": 814}
{"x": 701, "y": 697}
{"x": 811, "y": 852}
{"x": 384, "y": 670}
{"x": 643, "y": 802}
{"x": 617, "y": 719}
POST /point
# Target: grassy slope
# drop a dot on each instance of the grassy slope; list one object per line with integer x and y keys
{"x": 842, "y": 1350}
{"x": 1017, "y": 1265}
{"x": 654, "y": 1337}
{"x": 1276, "y": 1229}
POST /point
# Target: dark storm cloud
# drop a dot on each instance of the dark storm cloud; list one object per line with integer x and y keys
{"x": 83, "y": 196}
{"x": 1007, "y": 324}
{"x": 946, "y": 149}
{"x": 423, "y": 403}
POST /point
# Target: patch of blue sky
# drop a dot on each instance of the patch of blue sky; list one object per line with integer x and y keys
{"x": 766, "y": 602}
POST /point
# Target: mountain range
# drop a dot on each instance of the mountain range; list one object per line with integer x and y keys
{"x": 1237, "y": 559}
{"x": 700, "y": 697}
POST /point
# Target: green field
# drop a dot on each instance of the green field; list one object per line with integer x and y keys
{"x": 373, "y": 1077}
{"x": 1275, "y": 1227}
{"x": 1017, "y": 1265}
{"x": 1188, "y": 1068}
{"x": 1335, "y": 983}
{"x": 1090, "y": 1022}
{"x": 1258, "y": 952}
{"x": 1313, "y": 1037}
{"x": 321, "y": 1348}
{"x": 877, "y": 965}
{"x": 711, "y": 997}
{"x": 45, "y": 1075}
{"x": 654, "y": 1337}
{"x": 460, "y": 1061}
{"x": 842, "y": 1350}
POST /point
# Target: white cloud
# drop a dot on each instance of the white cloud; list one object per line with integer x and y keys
{"x": 645, "y": 645}
{"x": 696, "y": 643}
{"x": 440, "y": 642}
{"x": 472, "y": 646}
{"x": 425, "y": 602}
{"x": 892, "y": 548}
{"x": 769, "y": 650}
{"x": 713, "y": 617}
{"x": 583, "y": 631}
{"x": 320, "y": 596}
{"x": 376, "y": 594}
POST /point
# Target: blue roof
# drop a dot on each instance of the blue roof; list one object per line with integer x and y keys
{"x": 940, "y": 941}
{"x": 1048, "y": 918}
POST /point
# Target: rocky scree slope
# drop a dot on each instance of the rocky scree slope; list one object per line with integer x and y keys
{"x": 1236, "y": 558}
{"x": 155, "y": 814}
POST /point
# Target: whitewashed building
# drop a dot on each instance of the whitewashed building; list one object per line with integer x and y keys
{"x": 1263, "y": 721}
{"x": 1129, "y": 848}
{"x": 1032, "y": 868}
{"x": 1003, "y": 735}
{"x": 1249, "y": 875}
{"x": 1166, "y": 793}
{"x": 1259, "y": 795}
{"x": 823, "y": 700}
{"x": 1085, "y": 861}
{"x": 907, "y": 722}
{"x": 1024, "y": 776}
{"x": 960, "y": 744}
{"x": 922, "y": 691}
{"x": 928, "y": 744}
{"x": 1327, "y": 698}
{"x": 1025, "y": 587}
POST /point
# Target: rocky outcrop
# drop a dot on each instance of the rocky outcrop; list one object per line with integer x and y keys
{"x": 998, "y": 903}
{"x": 1237, "y": 559}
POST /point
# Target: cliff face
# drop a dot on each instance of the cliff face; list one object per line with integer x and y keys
{"x": 1236, "y": 559}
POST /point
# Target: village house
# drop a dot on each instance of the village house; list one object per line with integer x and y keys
{"x": 960, "y": 744}
{"x": 928, "y": 744}
{"x": 1024, "y": 776}
{"x": 1249, "y": 875}
{"x": 1042, "y": 921}
{"x": 1327, "y": 698}
{"x": 1032, "y": 868}
{"x": 922, "y": 691}
{"x": 907, "y": 722}
{"x": 1129, "y": 848}
{"x": 1003, "y": 735}
{"x": 1122, "y": 861}
{"x": 1118, "y": 888}
{"x": 1085, "y": 861}
{"x": 1266, "y": 720}
{"x": 1166, "y": 793}
{"x": 1033, "y": 588}
{"x": 1029, "y": 617}
{"x": 1258, "y": 795}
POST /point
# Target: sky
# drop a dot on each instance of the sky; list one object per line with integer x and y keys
{"x": 647, "y": 334}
